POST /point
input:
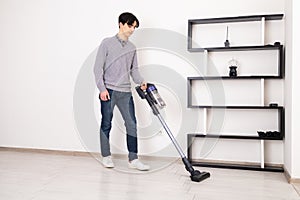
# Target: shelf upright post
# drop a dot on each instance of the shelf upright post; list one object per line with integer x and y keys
{"x": 205, "y": 62}
{"x": 262, "y": 154}
{"x": 262, "y": 92}
{"x": 205, "y": 121}
{"x": 262, "y": 87}
{"x": 263, "y": 30}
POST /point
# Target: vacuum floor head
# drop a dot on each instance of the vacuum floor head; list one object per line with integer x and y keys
{"x": 198, "y": 176}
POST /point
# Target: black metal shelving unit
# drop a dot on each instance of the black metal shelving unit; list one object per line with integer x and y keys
{"x": 280, "y": 75}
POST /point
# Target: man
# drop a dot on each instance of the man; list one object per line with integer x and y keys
{"x": 116, "y": 62}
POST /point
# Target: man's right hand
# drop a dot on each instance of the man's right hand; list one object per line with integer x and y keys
{"x": 104, "y": 96}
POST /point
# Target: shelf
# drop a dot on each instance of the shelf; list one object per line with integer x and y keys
{"x": 241, "y": 106}
{"x": 280, "y": 56}
{"x": 231, "y": 78}
{"x": 237, "y": 107}
{"x": 248, "y": 18}
{"x": 236, "y": 19}
{"x": 277, "y": 47}
{"x": 280, "y": 118}
{"x": 237, "y": 166}
{"x": 237, "y": 48}
{"x": 229, "y": 165}
{"x": 243, "y": 137}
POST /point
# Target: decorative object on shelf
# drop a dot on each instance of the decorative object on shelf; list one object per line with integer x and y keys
{"x": 268, "y": 134}
{"x": 273, "y": 104}
{"x": 233, "y": 67}
{"x": 226, "y": 43}
{"x": 276, "y": 43}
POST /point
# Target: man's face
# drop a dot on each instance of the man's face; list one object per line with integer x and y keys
{"x": 127, "y": 29}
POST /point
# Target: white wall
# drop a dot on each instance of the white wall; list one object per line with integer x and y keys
{"x": 296, "y": 94}
{"x": 292, "y": 160}
{"x": 45, "y": 44}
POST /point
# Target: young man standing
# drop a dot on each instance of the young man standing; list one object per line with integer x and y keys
{"x": 116, "y": 62}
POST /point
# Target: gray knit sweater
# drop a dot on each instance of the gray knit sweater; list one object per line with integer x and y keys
{"x": 116, "y": 62}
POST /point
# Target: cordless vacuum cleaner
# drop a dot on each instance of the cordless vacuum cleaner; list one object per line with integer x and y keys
{"x": 156, "y": 102}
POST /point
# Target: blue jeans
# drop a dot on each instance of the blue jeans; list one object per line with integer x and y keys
{"x": 124, "y": 102}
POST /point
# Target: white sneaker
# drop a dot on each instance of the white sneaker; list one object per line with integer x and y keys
{"x": 107, "y": 162}
{"x": 136, "y": 164}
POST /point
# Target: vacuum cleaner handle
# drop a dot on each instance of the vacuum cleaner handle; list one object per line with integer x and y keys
{"x": 141, "y": 93}
{"x": 152, "y": 91}
{"x": 152, "y": 97}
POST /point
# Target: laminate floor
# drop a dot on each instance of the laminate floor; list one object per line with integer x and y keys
{"x": 37, "y": 176}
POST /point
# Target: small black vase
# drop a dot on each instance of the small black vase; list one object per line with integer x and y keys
{"x": 232, "y": 71}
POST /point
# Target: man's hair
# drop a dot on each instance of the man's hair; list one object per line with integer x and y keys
{"x": 128, "y": 18}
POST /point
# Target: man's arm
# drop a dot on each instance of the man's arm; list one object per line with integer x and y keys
{"x": 98, "y": 72}
{"x": 135, "y": 74}
{"x": 99, "y": 66}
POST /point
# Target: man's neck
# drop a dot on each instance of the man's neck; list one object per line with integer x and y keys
{"x": 122, "y": 36}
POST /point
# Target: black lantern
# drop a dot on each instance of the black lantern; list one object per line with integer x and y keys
{"x": 233, "y": 68}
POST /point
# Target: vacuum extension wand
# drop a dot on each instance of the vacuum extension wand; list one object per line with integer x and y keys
{"x": 156, "y": 102}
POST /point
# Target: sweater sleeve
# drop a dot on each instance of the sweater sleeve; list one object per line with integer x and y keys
{"x": 135, "y": 74}
{"x": 99, "y": 66}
